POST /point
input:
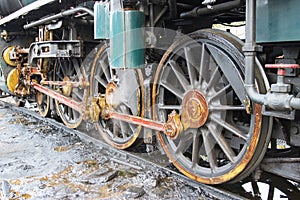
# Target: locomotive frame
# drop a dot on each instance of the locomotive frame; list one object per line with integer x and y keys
{"x": 156, "y": 72}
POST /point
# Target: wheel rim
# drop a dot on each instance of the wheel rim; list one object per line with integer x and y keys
{"x": 119, "y": 134}
{"x": 221, "y": 148}
{"x": 68, "y": 70}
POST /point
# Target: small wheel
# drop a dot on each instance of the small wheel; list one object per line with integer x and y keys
{"x": 68, "y": 70}
{"x": 201, "y": 77}
{"x": 127, "y": 97}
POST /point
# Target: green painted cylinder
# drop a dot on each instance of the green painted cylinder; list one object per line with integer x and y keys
{"x": 127, "y": 47}
{"x": 101, "y": 20}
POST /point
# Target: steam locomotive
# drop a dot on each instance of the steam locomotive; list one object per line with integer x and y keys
{"x": 161, "y": 74}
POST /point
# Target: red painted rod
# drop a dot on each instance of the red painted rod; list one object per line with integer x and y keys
{"x": 137, "y": 121}
{"x": 61, "y": 98}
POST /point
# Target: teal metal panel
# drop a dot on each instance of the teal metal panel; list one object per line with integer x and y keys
{"x": 26, "y": 2}
{"x": 101, "y": 20}
{"x": 278, "y": 21}
{"x": 127, "y": 46}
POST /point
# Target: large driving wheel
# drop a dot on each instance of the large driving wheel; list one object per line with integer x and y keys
{"x": 68, "y": 70}
{"x": 124, "y": 92}
{"x": 201, "y": 77}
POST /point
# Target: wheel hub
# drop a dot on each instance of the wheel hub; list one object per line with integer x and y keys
{"x": 67, "y": 89}
{"x": 194, "y": 110}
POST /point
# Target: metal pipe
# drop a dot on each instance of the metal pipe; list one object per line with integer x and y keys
{"x": 250, "y": 49}
{"x": 274, "y": 100}
{"x": 59, "y": 15}
{"x": 198, "y": 11}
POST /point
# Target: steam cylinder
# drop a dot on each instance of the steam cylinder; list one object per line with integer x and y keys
{"x": 124, "y": 29}
{"x": 127, "y": 48}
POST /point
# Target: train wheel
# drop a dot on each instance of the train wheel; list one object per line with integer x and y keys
{"x": 68, "y": 70}
{"x": 128, "y": 98}
{"x": 201, "y": 77}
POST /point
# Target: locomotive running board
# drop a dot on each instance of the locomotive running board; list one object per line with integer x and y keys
{"x": 58, "y": 96}
{"x": 23, "y": 11}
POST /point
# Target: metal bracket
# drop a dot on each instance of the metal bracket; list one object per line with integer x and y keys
{"x": 285, "y": 114}
{"x": 54, "y": 49}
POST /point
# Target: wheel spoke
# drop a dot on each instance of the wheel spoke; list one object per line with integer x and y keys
{"x": 203, "y": 63}
{"x": 219, "y": 93}
{"x": 179, "y": 74}
{"x": 62, "y": 69}
{"x": 215, "y": 77}
{"x": 123, "y": 129}
{"x": 222, "y": 143}
{"x": 60, "y": 76}
{"x": 184, "y": 143}
{"x": 230, "y": 128}
{"x": 226, "y": 107}
{"x": 101, "y": 81}
{"x": 190, "y": 66}
{"x": 209, "y": 149}
{"x": 124, "y": 110}
{"x": 106, "y": 71}
{"x": 76, "y": 93}
{"x": 70, "y": 113}
{"x": 170, "y": 107}
{"x": 77, "y": 71}
{"x": 173, "y": 90}
{"x": 196, "y": 148}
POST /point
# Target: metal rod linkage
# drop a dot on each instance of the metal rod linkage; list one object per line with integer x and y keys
{"x": 61, "y": 98}
{"x": 59, "y": 15}
{"x": 199, "y": 11}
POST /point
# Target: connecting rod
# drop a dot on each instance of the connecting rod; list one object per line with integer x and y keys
{"x": 60, "y": 97}
{"x": 172, "y": 128}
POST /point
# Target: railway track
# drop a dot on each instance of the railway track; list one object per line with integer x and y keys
{"x": 130, "y": 159}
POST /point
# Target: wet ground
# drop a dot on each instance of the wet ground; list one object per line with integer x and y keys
{"x": 40, "y": 161}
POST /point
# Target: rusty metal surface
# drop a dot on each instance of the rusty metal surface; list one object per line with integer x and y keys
{"x": 194, "y": 110}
